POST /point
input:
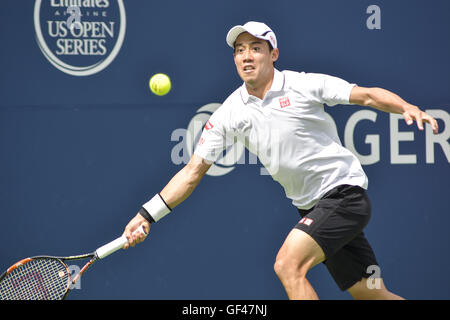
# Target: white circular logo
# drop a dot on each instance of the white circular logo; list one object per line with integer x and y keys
{"x": 227, "y": 161}
{"x": 80, "y": 37}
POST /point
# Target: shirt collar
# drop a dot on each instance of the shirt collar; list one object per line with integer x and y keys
{"x": 277, "y": 85}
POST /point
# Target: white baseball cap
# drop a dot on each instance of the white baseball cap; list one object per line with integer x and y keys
{"x": 257, "y": 29}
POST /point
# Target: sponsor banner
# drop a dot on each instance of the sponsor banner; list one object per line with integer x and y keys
{"x": 80, "y": 37}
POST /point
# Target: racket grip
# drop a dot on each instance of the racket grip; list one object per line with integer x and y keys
{"x": 115, "y": 245}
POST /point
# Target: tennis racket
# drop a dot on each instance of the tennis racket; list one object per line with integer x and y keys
{"x": 47, "y": 277}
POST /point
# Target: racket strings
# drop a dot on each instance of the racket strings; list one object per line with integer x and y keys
{"x": 38, "y": 279}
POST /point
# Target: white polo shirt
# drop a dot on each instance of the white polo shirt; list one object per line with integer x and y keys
{"x": 290, "y": 133}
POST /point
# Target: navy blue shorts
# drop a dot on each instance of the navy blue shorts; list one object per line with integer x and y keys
{"x": 336, "y": 223}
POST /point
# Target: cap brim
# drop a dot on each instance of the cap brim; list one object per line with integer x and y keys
{"x": 233, "y": 34}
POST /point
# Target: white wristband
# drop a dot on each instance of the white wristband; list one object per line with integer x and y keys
{"x": 157, "y": 208}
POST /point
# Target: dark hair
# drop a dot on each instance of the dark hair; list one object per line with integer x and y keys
{"x": 268, "y": 42}
{"x": 270, "y": 49}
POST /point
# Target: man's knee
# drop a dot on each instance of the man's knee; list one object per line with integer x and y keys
{"x": 286, "y": 268}
{"x": 298, "y": 254}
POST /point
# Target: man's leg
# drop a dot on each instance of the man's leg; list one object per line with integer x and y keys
{"x": 298, "y": 254}
{"x": 361, "y": 291}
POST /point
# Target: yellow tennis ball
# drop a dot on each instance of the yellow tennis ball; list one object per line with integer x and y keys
{"x": 160, "y": 84}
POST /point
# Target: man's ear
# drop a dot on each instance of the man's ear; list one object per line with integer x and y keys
{"x": 275, "y": 54}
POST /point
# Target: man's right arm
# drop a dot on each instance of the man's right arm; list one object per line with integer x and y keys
{"x": 184, "y": 182}
{"x": 176, "y": 191}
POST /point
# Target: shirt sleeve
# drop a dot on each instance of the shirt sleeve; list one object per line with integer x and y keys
{"x": 326, "y": 89}
{"x": 213, "y": 140}
{"x": 336, "y": 91}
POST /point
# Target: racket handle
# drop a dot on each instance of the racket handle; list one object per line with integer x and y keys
{"x": 115, "y": 245}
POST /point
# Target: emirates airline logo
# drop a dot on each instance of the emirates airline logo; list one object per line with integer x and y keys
{"x": 80, "y": 37}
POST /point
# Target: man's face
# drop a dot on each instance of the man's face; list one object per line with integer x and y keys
{"x": 253, "y": 59}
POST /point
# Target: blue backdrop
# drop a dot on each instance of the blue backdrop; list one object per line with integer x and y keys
{"x": 79, "y": 154}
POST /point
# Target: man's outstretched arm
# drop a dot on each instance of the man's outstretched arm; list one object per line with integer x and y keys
{"x": 387, "y": 101}
{"x": 176, "y": 191}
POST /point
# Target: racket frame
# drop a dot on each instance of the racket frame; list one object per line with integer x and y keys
{"x": 98, "y": 254}
{"x": 62, "y": 260}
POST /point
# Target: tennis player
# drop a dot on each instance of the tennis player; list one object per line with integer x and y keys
{"x": 280, "y": 117}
